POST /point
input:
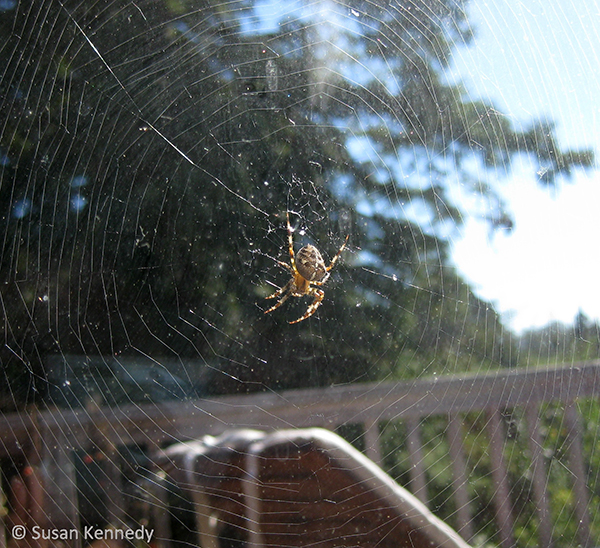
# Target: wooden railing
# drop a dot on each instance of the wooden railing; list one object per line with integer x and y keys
{"x": 48, "y": 437}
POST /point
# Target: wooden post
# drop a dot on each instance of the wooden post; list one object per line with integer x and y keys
{"x": 580, "y": 491}
{"x": 372, "y": 448}
{"x": 160, "y": 510}
{"x": 502, "y": 502}
{"x": 539, "y": 475}
{"x": 418, "y": 479}
{"x": 59, "y": 481}
{"x": 110, "y": 465}
{"x": 251, "y": 490}
{"x": 115, "y": 502}
{"x": 3, "y": 502}
{"x": 460, "y": 477}
{"x": 206, "y": 524}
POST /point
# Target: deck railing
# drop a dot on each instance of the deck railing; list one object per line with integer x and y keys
{"x": 48, "y": 438}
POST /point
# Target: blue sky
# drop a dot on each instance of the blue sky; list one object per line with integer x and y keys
{"x": 538, "y": 59}
{"x": 534, "y": 59}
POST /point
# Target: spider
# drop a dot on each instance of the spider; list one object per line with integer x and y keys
{"x": 308, "y": 272}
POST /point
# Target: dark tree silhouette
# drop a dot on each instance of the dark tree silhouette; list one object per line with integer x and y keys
{"x": 150, "y": 152}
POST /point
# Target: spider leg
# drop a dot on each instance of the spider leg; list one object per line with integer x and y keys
{"x": 290, "y": 241}
{"x": 281, "y": 291}
{"x": 285, "y": 265}
{"x": 279, "y": 303}
{"x": 337, "y": 256}
{"x": 332, "y": 264}
{"x": 319, "y": 294}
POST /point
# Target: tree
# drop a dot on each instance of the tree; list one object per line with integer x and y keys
{"x": 152, "y": 150}
{"x": 560, "y": 343}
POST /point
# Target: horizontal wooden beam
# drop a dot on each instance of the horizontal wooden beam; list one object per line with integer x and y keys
{"x": 327, "y": 407}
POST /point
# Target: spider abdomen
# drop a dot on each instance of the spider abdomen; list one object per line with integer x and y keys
{"x": 310, "y": 264}
{"x": 308, "y": 272}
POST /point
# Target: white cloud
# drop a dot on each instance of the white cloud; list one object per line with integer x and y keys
{"x": 548, "y": 267}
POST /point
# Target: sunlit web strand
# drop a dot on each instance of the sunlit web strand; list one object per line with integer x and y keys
{"x": 149, "y": 124}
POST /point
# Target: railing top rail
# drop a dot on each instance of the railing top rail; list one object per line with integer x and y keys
{"x": 328, "y": 407}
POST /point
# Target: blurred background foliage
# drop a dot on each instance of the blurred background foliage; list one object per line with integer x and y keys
{"x": 556, "y": 450}
{"x": 149, "y": 154}
{"x": 151, "y": 151}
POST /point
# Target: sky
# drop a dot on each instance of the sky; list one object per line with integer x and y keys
{"x": 533, "y": 59}
{"x": 537, "y": 59}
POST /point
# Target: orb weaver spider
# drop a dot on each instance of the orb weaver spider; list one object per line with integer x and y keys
{"x": 308, "y": 273}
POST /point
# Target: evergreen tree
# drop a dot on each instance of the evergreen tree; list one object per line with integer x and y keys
{"x": 153, "y": 150}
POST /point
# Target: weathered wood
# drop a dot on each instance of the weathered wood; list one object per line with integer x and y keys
{"x": 460, "y": 477}
{"x": 36, "y": 435}
{"x": 308, "y": 488}
{"x": 159, "y": 512}
{"x": 578, "y": 469}
{"x": 252, "y": 496}
{"x": 115, "y": 505}
{"x": 206, "y": 531}
{"x": 502, "y": 504}
{"x": 59, "y": 483}
{"x": 3, "y": 500}
{"x": 418, "y": 479}
{"x": 111, "y": 467}
{"x": 372, "y": 448}
{"x": 326, "y": 407}
{"x": 539, "y": 476}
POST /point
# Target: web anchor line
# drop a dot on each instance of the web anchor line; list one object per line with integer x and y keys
{"x": 140, "y": 114}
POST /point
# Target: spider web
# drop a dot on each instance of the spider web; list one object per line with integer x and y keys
{"x": 150, "y": 153}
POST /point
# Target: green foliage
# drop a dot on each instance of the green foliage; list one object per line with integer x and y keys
{"x": 187, "y": 137}
{"x": 560, "y": 343}
{"x": 557, "y": 452}
{"x": 157, "y": 171}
